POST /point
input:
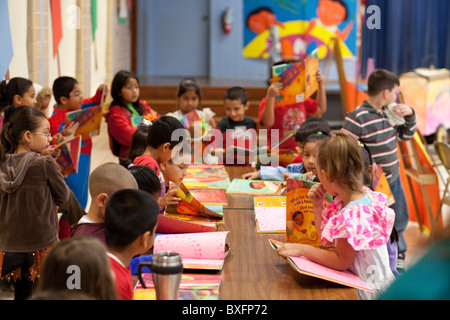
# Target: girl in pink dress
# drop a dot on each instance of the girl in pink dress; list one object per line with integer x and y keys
{"x": 357, "y": 223}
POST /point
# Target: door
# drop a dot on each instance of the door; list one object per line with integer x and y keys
{"x": 175, "y": 38}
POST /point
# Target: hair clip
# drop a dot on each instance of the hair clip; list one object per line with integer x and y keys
{"x": 361, "y": 144}
{"x": 146, "y": 122}
{"x": 320, "y": 132}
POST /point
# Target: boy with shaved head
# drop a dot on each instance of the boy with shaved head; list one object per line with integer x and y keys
{"x": 103, "y": 182}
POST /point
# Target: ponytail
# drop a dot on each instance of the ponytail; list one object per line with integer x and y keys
{"x": 15, "y": 86}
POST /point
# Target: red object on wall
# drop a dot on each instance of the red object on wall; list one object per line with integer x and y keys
{"x": 227, "y": 20}
{"x": 56, "y": 24}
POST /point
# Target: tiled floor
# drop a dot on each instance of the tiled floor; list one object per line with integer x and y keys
{"x": 415, "y": 240}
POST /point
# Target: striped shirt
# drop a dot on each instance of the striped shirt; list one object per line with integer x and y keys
{"x": 372, "y": 128}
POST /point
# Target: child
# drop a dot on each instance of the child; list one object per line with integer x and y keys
{"x": 236, "y": 104}
{"x": 16, "y": 92}
{"x": 32, "y": 187}
{"x": 147, "y": 180}
{"x": 160, "y": 147}
{"x": 85, "y": 256}
{"x": 357, "y": 222}
{"x": 130, "y": 222}
{"x": 44, "y": 94}
{"x": 138, "y": 143}
{"x": 69, "y": 97}
{"x": 175, "y": 169}
{"x": 288, "y": 118}
{"x": 126, "y": 112}
{"x": 103, "y": 182}
{"x": 370, "y": 125}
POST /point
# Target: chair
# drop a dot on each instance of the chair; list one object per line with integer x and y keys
{"x": 443, "y": 152}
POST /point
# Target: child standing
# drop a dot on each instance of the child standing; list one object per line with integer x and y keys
{"x": 126, "y": 112}
{"x": 357, "y": 222}
{"x": 370, "y": 124}
{"x": 32, "y": 187}
{"x": 131, "y": 218}
{"x": 69, "y": 97}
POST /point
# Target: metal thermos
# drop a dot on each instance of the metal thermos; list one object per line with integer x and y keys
{"x": 166, "y": 272}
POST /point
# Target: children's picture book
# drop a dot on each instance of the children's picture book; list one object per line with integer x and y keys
{"x": 310, "y": 268}
{"x": 210, "y": 197}
{"x": 210, "y": 184}
{"x": 298, "y": 79}
{"x": 190, "y": 118}
{"x": 270, "y": 214}
{"x": 192, "y": 287}
{"x": 170, "y": 225}
{"x": 300, "y": 224}
{"x": 255, "y": 187}
{"x": 204, "y": 250}
{"x": 70, "y": 156}
{"x": 205, "y": 172}
{"x": 189, "y": 205}
{"x": 380, "y": 184}
{"x": 89, "y": 121}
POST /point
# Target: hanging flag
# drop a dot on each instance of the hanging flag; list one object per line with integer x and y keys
{"x": 94, "y": 17}
{"x": 7, "y": 52}
{"x": 57, "y": 24}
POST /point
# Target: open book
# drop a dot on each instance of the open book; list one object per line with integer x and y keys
{"x": 205, "y": 250}
{"x": 173, "y": 225}
{"x": 89, "y": 121}
{"x": 70, "y": 155}
{"x": 210, "y": 197}
{"x": 256, "y": 187}
{"x": 270, "y": 214}
{"x": 306, "y": 266}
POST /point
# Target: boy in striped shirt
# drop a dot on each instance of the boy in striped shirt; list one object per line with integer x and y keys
{"x": 370, "y": 124}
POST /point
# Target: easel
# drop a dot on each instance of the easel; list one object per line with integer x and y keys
{"x": 416, "y": 171}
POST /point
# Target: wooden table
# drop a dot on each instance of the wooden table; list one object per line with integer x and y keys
{"x": 254, "y": 271}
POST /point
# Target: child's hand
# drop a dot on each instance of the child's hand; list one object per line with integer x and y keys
{"x": 286, "y": 175}
{"x": 51, "y": 151}
{"x": 290, "y": 249}
{"x": 106, "y": 92}
{"x": 69, "y": 129}
{"x": 402, "y": 110}
{"x": 274, "y": 90}
{"x": 169, "y": 198}
{"x": 317, "y": 195}
{"x": 319, "y": 78}
{"x": 251, "y": 175}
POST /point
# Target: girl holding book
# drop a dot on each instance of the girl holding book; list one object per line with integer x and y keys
{"x": 358, "y": 223}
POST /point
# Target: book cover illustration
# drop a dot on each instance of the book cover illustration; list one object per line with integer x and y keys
{"x": 192, "y": 287}
{"x": 300, "y": 224}
{"x": 70, "y": 156}
{"x": 298, "y": 79}
{"x": 210, "y": 197}
{"x": 204, "y": 250}
{"x": 89, "y": 121}
{"x": 270, "y": 214}
{"x": 209, "y": 184}
{"x": 189, "y": 205}
{"x": 207, "y": 173}
{"x": 380, "y": 184}
{"x": 310, "y": 268}
{"x": 172, "y": 225}
{"x": 256, "y": 187}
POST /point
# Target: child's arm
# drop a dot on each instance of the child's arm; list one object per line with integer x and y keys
{"x": 268, "y": 115}
{"x": 406, "y": 131}
{"x": 96, "y": 100}
{"x": 321, "y": 96}
{"x": 169, "y": 198}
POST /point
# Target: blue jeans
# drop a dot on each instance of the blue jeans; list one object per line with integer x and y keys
{"x": 401, "y": 213}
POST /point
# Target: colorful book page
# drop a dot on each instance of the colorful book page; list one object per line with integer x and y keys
{"x": 172, "y": 225}
{"x": 70, "y": 156}
{"x": 192, "y": 287}
{"x": 191, "y": 206}
{"x": 310, "y": 268}
{"x": 256, "y": 187}
{"x": 270, "y": 214}
{"x": 190, "y": 118}
{"x": 205, "y": 250}
{"x": 211, "y": 184}
{"x": 380, "y": 184}
{"x": 89, "y": 121}
{"x": 207, "y": 173}
{"x": 217, "y": 197}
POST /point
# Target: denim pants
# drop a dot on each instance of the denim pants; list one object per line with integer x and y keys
{"x": 401, "y": 213}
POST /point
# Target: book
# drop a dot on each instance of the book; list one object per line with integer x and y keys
{"x": 310, "y": 268}
{"x": 189, "y": 205}
{"x": 173, "y": 225}
{"x": 380, "y": 184}
{"x": 204, "y": 172}
{"x": 210, "y": 197}
{"x": 300, "y": 224}
{"x": 210, "y": 184}
{"x": 298, "y": 79}
{"x": 270, "y": 214}
{"x": 70, "y": 156}
{"x": 192, "y": 287}
{"x": 89, "y": 121}
{"x": 254, "y": 187}
{"x": 204, "y": 250}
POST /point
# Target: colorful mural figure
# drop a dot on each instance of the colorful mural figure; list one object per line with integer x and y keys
{"x": 298, "y": 28}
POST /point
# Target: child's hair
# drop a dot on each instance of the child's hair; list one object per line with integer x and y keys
{"x": 139, "y": 141}
{"x": 310, "y": 128}
{"x": 341, "y": 158}
{"x": 189, "y": 84}
{"x": 110, "y": 177}
{"x": 62, "y": 87}
{"x": 367, "y": 161}
{"x": 87, "y": 255}
{"x": 120, "y": 80}
{"x": 146, "y": 178}
{"x": 236, "y": 93}
{"x": 42, "y": 94}
{"x": 316, "y": 137}
{"x": 8, "y": 90}
{"x": 380, "y": 80}
{"x": 161, "y": 132}
{"x": 17, "y": 122}
{"x": 129, "y": 214}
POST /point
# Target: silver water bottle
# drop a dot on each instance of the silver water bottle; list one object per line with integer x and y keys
{"x": 166, "y": 272}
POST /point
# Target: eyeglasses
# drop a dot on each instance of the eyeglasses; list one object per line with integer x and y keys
{"x": 77, "y": 94}
{"x": 47, "y": 134}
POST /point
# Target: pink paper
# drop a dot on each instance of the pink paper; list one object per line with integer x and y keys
{"x": 172, "y": 225}
{"x": 271, "y": 218}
